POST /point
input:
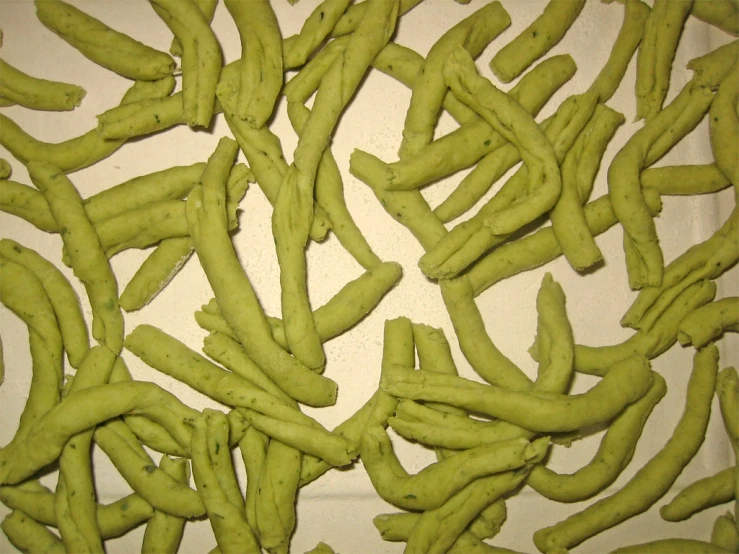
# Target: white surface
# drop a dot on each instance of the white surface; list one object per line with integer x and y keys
{"x": 339, "y": 507}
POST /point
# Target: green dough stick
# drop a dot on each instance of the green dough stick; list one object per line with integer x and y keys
{"x": 158, "y": 488}
{"x": 636, "y": 13}
{"x": 709, "y": 322}
{"x": 640, "y": 236}
{"x": 473, "y": 33}
{"x": 670, "y": 546}
{"x": 262, "y": 149}
{"x": 724, "y": 123}
{"x": 476, "y": 345}
{"x": 37, "y": 94}
{"x": 705, "y": 260}
{"x": 168, "y": 355}
{"x": 230, "y": 354}
{"x": 206, "y": 219}
{"x": 654, "y": 60}
{"x": 597, "y": 360}
{"x": 397, "y": 349}
{"x": 163, "y": 531}
{"x": 702, "y": 494}
{"x": 579, "y": 169}
{"x": 84, "y": 409}
{"x": 79, "y": 152}
{"x": 438, "y": 529}
{"x": 653, "y": 480}
{"x": 83, "y": 246}
{"x": 465, "y": 146}
{"x": 103, "y": 45}
{"x": 156, "y": 272}
{"x": 169, "y": 184}
{"x": 723, "y": 14}
{"x": 436, "y": 483}
{"x": 27, "y": 535}
{"x": 614, "y": 454}
{"x": 293, "y": 214}
{"x": 276, "y": 496}
{"x": 261, "y": 59}
{"x": 253, "y": 447}
{"x": 684, "y": 179}
{"x": 351, "y": 304}
{"x": 201, "y": 58}
{"x": 330, "y": 196}
{"x": 316, "y": 28}
{"x": 23, "y": 294}
{"x": 227, "y": 520}
{"x": 541, "y": 247}
{"x": 624, "y": 384}
{"x": 710, "y": 69}
{"x": 113, "y": 519}
{"x": 208, "y": 9}
{"x": 725, "y": 533}
{"x": 536, "y": 40}
{"x": 75, "y": 493}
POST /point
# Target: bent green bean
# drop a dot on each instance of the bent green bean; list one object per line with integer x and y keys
{"x": 702, "y": 494}
{"x": 37, "y": 94}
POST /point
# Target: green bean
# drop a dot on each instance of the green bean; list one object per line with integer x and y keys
{"x": 27, "y": 203}
{"x": 84, "y": 409}
{"x": 276, "y": 495}
{"x": 354, "y": 13}
{"x": 427, "y": 94}
{"x": 213, "y": 473}
{"x": 614, "y": 454}
{"x": 103, "y": 45}
{"x": 684, "y": 179}
{"x": 536, "y": 40}
{"x": 261, "y": 59}
{"x": 710, "y": 69}
{"x": 163, "y": 531}
{"x": 653, "y": 480}
{"x": 79, "y": 152}
{"x": 725, "y": 533}
{"x": 579, "y": 169}
{"x": 30, "y": 536}
{"x": 656, "y": 52}
{"x": 23, "y": 294}
{"x": 253, "y": 447}
{"x": 709, "y": 322}
{"x": 155, "y": 273}
{"x": 703, "y": 493}
{"x": 723, "y": 14}
{"x": 206, "y": 220}
{"x": 436, "y": 483}
{"x": 315, "y": 29}
{"x": 293, "y": 213}
{"x": 723, "y": 126}
{"x": 543, "y": 413}
{"x": 201, "y": 58}
{"x": 636, "y": 13}
{"x": 705, "y": 260}
{"x": 670, "y": 546}
{"x": 157, "y": 487}
{"x": 37, "y": 94}
{"x": 208, "y": 9}
{"x": 329, "y": 191}
{"x": 86, "y": 254}
{"x": 643, "y": 253}
{"x": 598, "y": 360}
{"x": 262, "y": 150}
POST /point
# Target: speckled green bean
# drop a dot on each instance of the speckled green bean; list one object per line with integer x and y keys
{"x": 709, "y": 322}
{"x": 38, "y": 94}
{"x": 28, "y": 535}
{"x": 163, "y": 531}
{"x": 724, "y": 126}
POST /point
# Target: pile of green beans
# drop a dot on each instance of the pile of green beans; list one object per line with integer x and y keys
{"x": 494, "y": 427}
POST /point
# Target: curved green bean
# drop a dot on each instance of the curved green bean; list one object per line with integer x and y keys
{"x": 27, "y": 535}
{"x": 723, "y": 14}
{"x": 37, "y": 94}
{"x": 703, "y": 493}
{"x": 709, "y": 322}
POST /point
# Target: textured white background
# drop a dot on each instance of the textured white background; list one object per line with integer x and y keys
{"x": 338, "y": 508}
